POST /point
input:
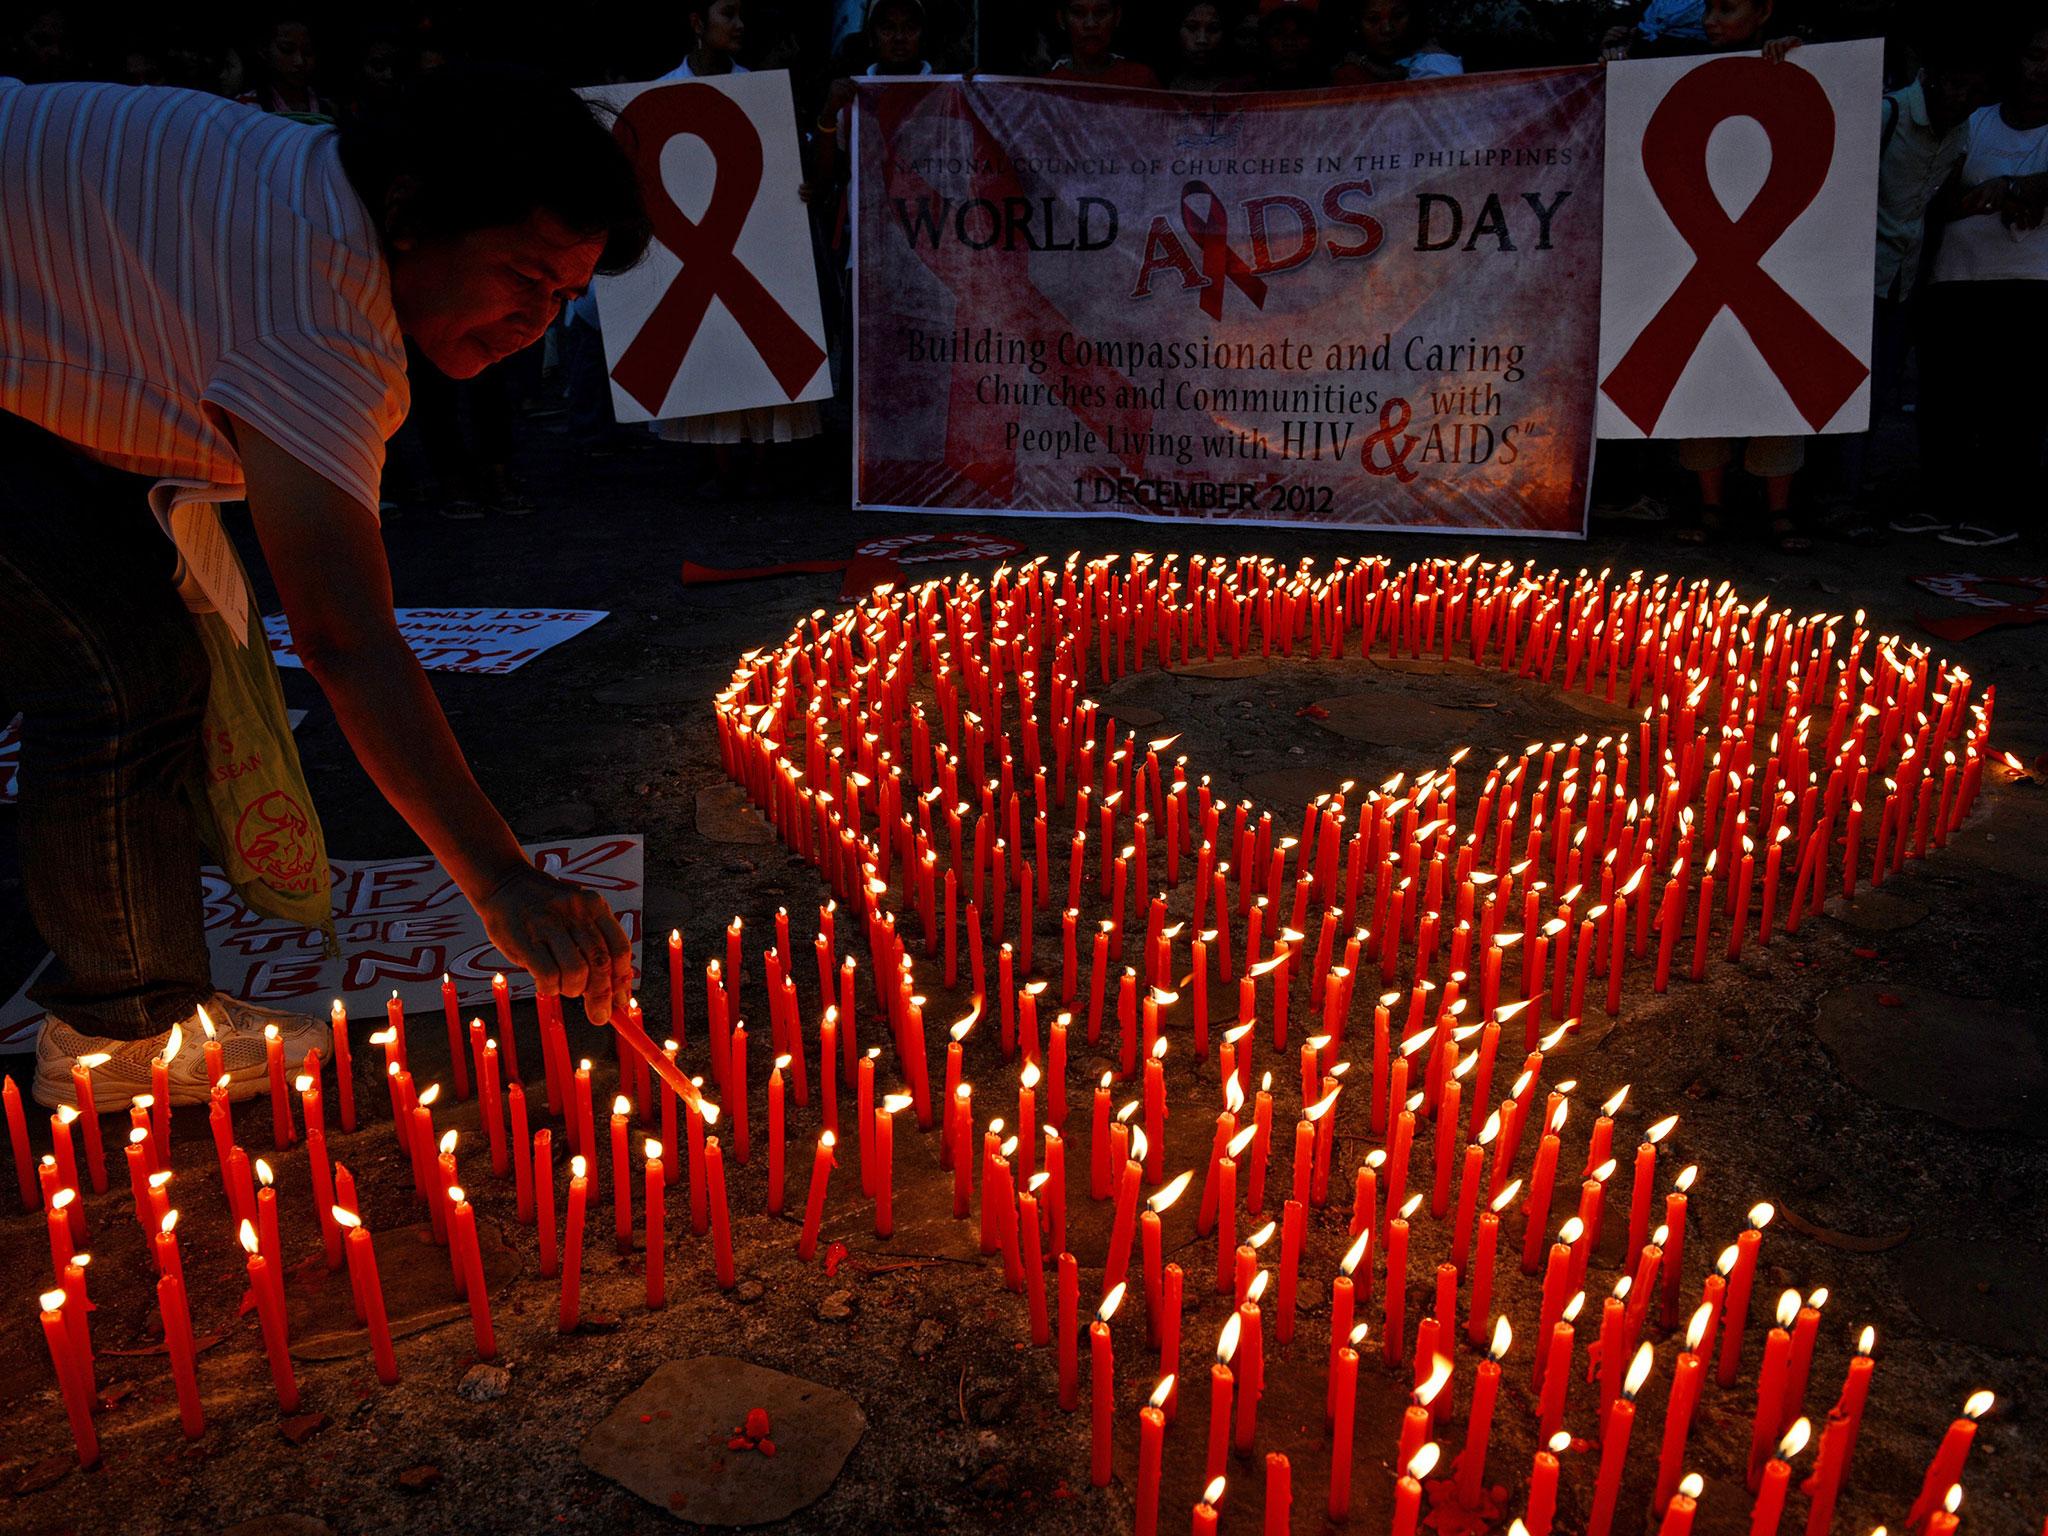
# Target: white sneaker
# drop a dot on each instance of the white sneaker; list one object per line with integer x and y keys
{"x": 124, "y": 1073}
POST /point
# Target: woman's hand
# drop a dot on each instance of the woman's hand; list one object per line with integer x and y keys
{"x": 1985, "y": 197}
{"x": 565, "y": 937}
{"x": 1776, "y": 49}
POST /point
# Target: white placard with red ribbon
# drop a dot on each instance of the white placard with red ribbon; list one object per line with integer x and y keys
{"x": 402, "y": 924}
{"x": 723, "y": 313}
{"x": 1720, "y": 323}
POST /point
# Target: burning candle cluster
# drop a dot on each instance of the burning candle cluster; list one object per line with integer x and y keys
{"x": 933, "y": 753}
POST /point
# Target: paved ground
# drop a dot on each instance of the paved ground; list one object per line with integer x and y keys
{"x": 1881, "y": 1078}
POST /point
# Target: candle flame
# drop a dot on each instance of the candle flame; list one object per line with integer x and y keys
{"x": 1978, "y": 1404}
{"x": 1692, "y": 1485}
{"x": 1953, "y": 1499}
{"x": 578, "y": 1168}
{"x": 1638, "y": 1371}
{"x": 1867, "y": 1342}
{"x": 1761, "y": 1213}
{"x": 1174, "y": 1189}
{"x": 1795, "y": 1440}
{"x": 62, "y": 1198}
{"x": 1356, "y": 1252}
{"x": 176, "y": 1043}
{"x": 1818, "y": 1299}
{"x": 1620, "y": 1098}
{"x": 247, "y": 1237}
{"x": 1660, "y": 1130}
{"x": 1226, "y": 1341}
{"x": 263, "y": 1174}
{"x": 1604, "y": 1172}
{"x": 707, "y": 1110}
{"x": 66, "y": 1114}
{"x": 1574, "y": 1307}
{"x": 1788, "y": 1308}
{"x": 1506, "y": 1197}
{"x": 1570, "y": 1233}
{"x": 1240, "y": 1141}
{"x": 302, "y": 1082}
{"x": 162, "y": 1177}
{"x": 1030, "y": 1075}
{"x": 1423, "y": 1462}
{"x": 895, "y": 1103}
{"x": 1213, "y": 1494}
{"x": 1322, "y": 1106}
{"x": 345, "y": 1217}
{"x": 1696, "y": 1330}
{"x": 1163, "y": 1391}
{"x": 448, "y": 1141}
{"x": 96, "y": 1059}
{"x": 427, "y": 1099}
{"x": 53, "y": 1301}
{"x": 621, "y": 1105}
{"x": 1111, "y": 1302}
{"x": 1684, "y": 1182}
{"x": 1503, "y": 1337}
{"x": 1411, "y": 1205}
{"x": 1263, "y": 1236}
{"x": 136, "y": 1138}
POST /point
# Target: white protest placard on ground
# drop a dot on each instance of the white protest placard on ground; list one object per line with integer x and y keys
{"x": 494, "y": 640}
{"x": 723, "y": 312}
{"x": 402, "y": 924}
{"x": 1741, "y": 209}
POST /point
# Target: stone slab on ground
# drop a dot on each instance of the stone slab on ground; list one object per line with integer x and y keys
{"x": 1992, "y": 1294}
{"x": 668, "y": 1441}
{"x": 1975, "y": 1064}
{"x": 1876, "y": 911}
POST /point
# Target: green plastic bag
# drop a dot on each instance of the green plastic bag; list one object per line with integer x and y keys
{"x": 254, "y": 811}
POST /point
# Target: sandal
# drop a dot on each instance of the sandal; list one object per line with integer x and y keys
{"x": 1920, "y": 522}
{"x": 1707, "y": 530}
{"x": 1790, "y": 540}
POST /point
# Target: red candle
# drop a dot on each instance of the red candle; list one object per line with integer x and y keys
{"x": 1344, "y": 1390}
{"x": 1205, "y": 1512}
{"x": 81, "y": 1090}
{"x": 281, "y": 1127}
{"x": 344, "y": 1070}
{"x": 462, "y": 1243}
{"x": 1542, "y": 1506}
{"x": 77, "y": 1395}
{"x": 17, "y": 1136}
{"x": 721, "y": 1215}
{"x": 1485, "y": 1389}
{"x": 777, "y": 1137}
{"x": 177, "y": 1316}
{"x": 1687, "y": 1374}
{"x": 657, "y": 1191}
{"x": 814, "y": 1206}
{"x": 1678, "y": 1514}
{"x": 1770, "y": 1386}
{"x": 1776, "y": 1481}
{"x": 1614, "y": 1437}
{"x": 1220, "y": 1384}
{"x": 270, "y": 1314}
{"x": 1069, "y": 1301}
{"x": 622, "y": 1173}
{"x": 572, "y": 1246}
{"x": 1151, "y": 1444}
{"x": 1947, "y": 1467}
{"x": 1735, "y": 1309}
{"x": 369, "y": 1289}
{"x": 885, "y": 1153}
{"x": 78, "y": 1320}
{"x": 1408, "y": 1490}
{"x": 1101, "y": 1387}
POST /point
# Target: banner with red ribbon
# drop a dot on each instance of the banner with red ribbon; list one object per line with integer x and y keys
{"x": 1373, "y": 307}
{"x": 1741, "y": 195}
{"x": 723, "y": 314}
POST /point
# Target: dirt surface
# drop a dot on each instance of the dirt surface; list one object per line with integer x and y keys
{"x": 1879, "y": 1076}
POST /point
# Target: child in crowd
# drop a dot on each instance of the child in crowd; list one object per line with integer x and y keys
{"x": 1666, "y": 26}
{"x": 1733, "y": 26}
{"x": 721, "y": 28}
{"x": 1290, "y": 55}
{"x": 1922, "y": 135}
{"x": 285, "y": 63}
{"x": 1395, "y": 44}
{"x": 1090, "y": 28}
{"x": 1201, "y": 40}
{"x": 1985, "y": 398}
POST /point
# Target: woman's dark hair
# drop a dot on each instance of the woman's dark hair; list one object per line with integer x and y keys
{"x": 479, "y": 146}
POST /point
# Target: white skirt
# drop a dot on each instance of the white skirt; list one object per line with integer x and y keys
{"x": 761, "y": 424}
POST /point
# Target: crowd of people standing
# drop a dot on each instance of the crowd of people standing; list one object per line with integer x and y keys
{"x": 1959, "y": 262}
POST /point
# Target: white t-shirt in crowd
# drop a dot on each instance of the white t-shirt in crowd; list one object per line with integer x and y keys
{"x": 1981, "y": 248}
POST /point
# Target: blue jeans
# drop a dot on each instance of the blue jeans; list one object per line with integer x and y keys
{"x": 101, "y": 657}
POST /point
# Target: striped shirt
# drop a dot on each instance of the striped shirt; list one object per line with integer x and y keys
{"x": 167, "y": 257}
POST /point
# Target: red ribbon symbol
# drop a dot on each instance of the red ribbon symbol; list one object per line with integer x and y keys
{"x": 1209, "y": 228}
{"x": 710, "y": 269}
{"x": 1791, "y": 106}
